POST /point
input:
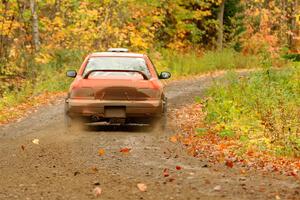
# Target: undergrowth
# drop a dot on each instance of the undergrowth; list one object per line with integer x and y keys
{"x": 43, "y": 77}
{"x": 261, "y": 110}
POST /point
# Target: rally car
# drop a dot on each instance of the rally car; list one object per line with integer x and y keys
{"x": 116, "y": 88}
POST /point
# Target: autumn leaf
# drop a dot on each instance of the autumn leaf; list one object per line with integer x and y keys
{"x": 171, "y": 179}
{"x": 166, "y": 172}
{"x": 97, "y": 191}
{"x": 142, "y": 187}
{"x": 76, "y": 173}
{"x": 229, "y": 163}
{"x": 36, "y": 141}
{"x": 178, "y": 167}
{"x": 173, "y": 139}
{"x": 101, "y": 152}
{"x": 294, "y": 172}
{"x": 94, "y": 169}
{"x": 125, "y": 150}
{"x": 217, "y": 188}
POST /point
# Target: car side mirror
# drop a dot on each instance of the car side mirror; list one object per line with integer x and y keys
{"x": 164, "y": 75}
{"x": 71, "y": 73}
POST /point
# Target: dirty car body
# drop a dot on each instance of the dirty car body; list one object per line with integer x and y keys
{"x": 116, "y": 87}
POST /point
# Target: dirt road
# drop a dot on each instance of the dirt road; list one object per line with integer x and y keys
{"x": 68, "y": 166}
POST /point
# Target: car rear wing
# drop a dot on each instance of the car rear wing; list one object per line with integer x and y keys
{"x": 110, "y": 70}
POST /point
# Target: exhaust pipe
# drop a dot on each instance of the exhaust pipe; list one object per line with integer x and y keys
{"x": 95, "y": 118}
{"x": 117, "y": 121}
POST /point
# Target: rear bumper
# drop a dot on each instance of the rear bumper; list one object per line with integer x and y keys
{"x": 87, "y": 108}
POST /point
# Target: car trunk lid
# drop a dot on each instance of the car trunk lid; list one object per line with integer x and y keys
{"x": 120, "y": 88}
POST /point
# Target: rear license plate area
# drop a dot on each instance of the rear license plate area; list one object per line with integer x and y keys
{"x": 114, "y": 112}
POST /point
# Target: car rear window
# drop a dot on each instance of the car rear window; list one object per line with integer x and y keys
{"x": 117, "y": 63}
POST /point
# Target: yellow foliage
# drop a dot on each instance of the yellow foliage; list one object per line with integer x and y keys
{"x": 43, "y": 58}
{"x": 298, "y": 19}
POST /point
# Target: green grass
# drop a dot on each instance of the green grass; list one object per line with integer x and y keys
{"x": 193, "y": 64}
{"x": 262, "y": 109}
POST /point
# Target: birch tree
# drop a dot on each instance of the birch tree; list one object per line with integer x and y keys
{"x": 35, "y": 25}
{"x": 221, "y": 25}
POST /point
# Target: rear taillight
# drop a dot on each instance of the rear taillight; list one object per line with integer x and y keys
{"x": 151, "y": 93}
{"x": 82, "y": 93}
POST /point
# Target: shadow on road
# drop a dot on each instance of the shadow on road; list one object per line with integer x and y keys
{"x": 114, "y": 128}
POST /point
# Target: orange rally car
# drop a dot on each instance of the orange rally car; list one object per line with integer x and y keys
{"x": 118, "y": 88}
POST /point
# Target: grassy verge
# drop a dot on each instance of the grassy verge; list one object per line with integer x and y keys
{"x": 204, "y": 142}
{"x": 193, "y": 64}
{"x": 261, "y": 110}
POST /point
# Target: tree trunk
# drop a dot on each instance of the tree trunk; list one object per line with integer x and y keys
{"x": 35, "y": 25}
{"x": 221, "y": 28}
{"x": 3, "y": 37}
{"x": 57, "y": 5}
{"x": 267, "y": 4}
{"x": 297, "y": 27}
{"x": 294, "y": 6}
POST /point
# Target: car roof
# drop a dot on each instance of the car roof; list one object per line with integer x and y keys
{"x": 116, "y": 54}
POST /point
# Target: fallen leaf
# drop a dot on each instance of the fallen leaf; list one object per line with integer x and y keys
{"x": 166, "y": 172}
{"x": 36, "y": 141}
{"x": 217, "y": 188}
{"x": 229, "y": 163}
{"x": 178, "y": 167}
{"x": 101, "y": 152}
{"x": 97, "y": 191}
{"x": 125, "y": 150}
{"x": 171, "y": 179}
{"x": 142, "y": 187}
{"x": 96, "y": 183}
{"x": 76, "y": 173}
{"x": 262, "y": 189}
{"x": 173, "y": 139}
{"x": 94, "y": 169}
{"x": 294, "y": 173}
